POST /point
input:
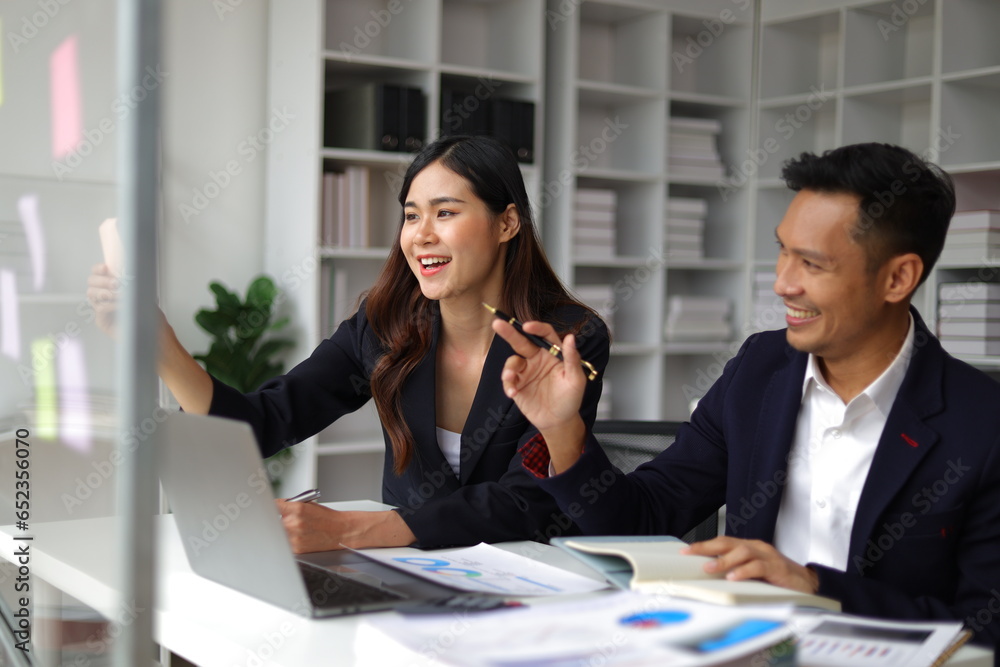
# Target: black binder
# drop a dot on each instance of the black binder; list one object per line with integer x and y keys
{"x": 413, "y": 119}
{"x": 366, "y": 117}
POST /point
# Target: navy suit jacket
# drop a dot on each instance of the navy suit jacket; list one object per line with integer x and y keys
{"x": 926, "y": 537}
{"x": 492, "y": 500}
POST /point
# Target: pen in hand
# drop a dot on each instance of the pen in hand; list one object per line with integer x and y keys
{"x": 309, "y": 496}
{"x": 552, "y": 348}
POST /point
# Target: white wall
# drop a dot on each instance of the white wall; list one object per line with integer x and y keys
{"x": 214, "y": 99}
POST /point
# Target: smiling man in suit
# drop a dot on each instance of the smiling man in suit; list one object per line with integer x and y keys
{"x": 856, "y": 458}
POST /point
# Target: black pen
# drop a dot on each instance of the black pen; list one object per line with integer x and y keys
{"x": 552, "y": 348}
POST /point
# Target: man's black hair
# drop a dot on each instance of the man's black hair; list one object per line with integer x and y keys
{"x": 906, "y": 203}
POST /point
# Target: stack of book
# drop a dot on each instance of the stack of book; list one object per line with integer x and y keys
{"x": 594, "y": 222}
{"x": 973, "y": 236}
{"x": 692, "y": 149}
{"x": 768, "y": 307}
{"x": 685, "y": 228}
{"x": 600, "y": 297}
{"x": 698, "y": 319}
{"x": 969, "y": 318}
{"x": 344, "y": 207}
{"x": 375, "y": 116}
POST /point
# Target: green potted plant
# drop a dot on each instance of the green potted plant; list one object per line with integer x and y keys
{"x": 242, "y": 354}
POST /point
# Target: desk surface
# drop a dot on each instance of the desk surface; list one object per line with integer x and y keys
{"x": 210, "y": 624}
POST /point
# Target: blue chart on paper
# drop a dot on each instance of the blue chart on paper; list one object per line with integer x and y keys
{"x": 655, "y": 619}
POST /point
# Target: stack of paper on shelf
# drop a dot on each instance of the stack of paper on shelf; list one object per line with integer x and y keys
{"x": 344, "y": 208}
{"x": 768, "y": 307}
{"x": 600, "y": 297}
{"x": 969, "y": 318}
{"x": 973, "y": 236}
{"x": 594, "y": 222}
{"x": 684, "y": 231}
{"x": 698, "y": 319}
{"x": 692, "y": 148}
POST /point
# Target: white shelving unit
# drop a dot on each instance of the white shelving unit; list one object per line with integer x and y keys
{"x": 617, "y": 71}
{"x": 925, "y": 76}
{"x": 320, "y": 45}
{"x": 606, "y": 76}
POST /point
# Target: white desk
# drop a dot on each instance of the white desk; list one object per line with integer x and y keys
{"x": 210, "y": 624}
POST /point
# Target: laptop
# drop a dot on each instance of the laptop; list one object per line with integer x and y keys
{"x": 223, "y": 505}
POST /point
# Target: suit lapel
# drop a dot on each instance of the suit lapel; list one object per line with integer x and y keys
{"x": 489, "y": 408}
{"x": 906, "y": 438}
{"x": 779, "y": 413}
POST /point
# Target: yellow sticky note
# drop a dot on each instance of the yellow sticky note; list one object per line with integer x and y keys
{"x": 43, "y": 362}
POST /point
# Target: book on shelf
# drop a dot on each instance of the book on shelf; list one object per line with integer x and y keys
{"x": 464, "y": 111}
{"x": 686, "y": 207}
{"x": 692, "y": 148}
{"x": 969, "y": 291}
{"x": 714, "y": 305}
{"x": 599, "y": 199}
{"x": 375, "y": 116}
{"x": 979, "y": 328}
{"x": 600, "y": 297}
{"x": 986, "y": 310}
{"x": 654, "y": 564}
{"x": 974, "y": 220}
{"x": 694, "y": 126}
{"x": 976, "y": 345}
{"x": 365, "y": 116}
{"x": 588, "y": 235}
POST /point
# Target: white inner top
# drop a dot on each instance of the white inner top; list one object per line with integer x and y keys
{"x": 451, "y": 446}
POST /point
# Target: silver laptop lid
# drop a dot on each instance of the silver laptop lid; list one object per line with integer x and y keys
{"x": 224, "y": 508}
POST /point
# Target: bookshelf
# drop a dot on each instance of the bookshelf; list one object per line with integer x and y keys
{"x": 924, "y": 75}
{"x": 622, "y": 75}
{"x": 607, "y": 77}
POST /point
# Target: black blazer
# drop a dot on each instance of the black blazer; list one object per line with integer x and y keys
{"x": 493, "y": 500}
{"x": 926, "y": 537}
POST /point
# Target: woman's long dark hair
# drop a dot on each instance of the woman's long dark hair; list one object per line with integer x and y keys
{"x": 402, "y": 317}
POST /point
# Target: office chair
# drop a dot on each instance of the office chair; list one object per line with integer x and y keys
{"x": 630, "y": 443}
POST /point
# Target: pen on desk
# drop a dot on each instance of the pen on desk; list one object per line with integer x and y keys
{"x": 552, "y": 348}
{"x": 309, "y": 496}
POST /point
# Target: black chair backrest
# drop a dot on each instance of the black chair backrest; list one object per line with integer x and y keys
{"x": 629, "y": 443}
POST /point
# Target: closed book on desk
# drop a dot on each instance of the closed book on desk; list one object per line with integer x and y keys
{"x": 654, "y": 564}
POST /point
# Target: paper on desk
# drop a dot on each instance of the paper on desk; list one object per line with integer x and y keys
{"x": 621, "y": 628}
{"x": 485, "y": 569}
{"x": 831, "y": 640}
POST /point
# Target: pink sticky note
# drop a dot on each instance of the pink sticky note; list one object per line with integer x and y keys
{"x": 64, "y": 82}
{"x": 10, "y": 321}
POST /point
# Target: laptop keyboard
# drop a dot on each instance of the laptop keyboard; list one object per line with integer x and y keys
{"x": 329, "y": 590}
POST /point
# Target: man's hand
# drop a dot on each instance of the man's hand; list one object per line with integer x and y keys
{"x": 753, "y": 559}
{"x": 548, "y": 392}
{"x": 311, "y": 527}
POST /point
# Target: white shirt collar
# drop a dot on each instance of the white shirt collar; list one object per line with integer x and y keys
{"x": 882, "y": 391}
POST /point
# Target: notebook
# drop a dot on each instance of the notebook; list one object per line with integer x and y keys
{"x": 224, "y": 509}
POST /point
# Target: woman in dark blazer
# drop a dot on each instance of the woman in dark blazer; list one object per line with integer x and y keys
{"x": 421, "y": 345}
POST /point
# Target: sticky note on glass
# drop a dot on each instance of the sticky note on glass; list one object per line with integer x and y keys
{"x": 43, "y": 356}
{"x": 64, "y": 82}
{"x": 111, "y": 244}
